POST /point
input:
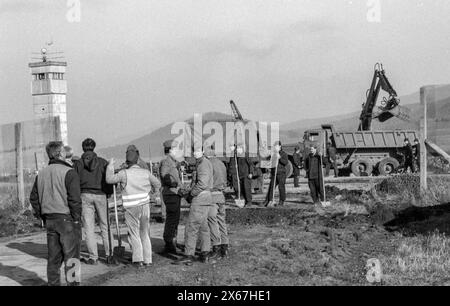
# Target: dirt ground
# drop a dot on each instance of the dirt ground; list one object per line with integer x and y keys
{"x": 302, "y": 244}
{"x": 294, "y": 245}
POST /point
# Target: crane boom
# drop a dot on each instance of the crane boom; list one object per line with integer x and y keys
{"x": 236, "y": 113}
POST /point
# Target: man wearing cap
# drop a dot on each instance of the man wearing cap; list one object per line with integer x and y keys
{"x": 137, "y": 184}
{"x": 278, "y": 178}
{"x": 141, "y": 163}
{"x": 216, "y": 216}
{"x": 172, "y": 191}
{"x": 201, "y": 201}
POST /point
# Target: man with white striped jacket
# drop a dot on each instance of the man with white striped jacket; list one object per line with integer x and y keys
{"x": 137, "y": 184}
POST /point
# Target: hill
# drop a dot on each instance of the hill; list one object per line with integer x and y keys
{"x": 151, "y": 144}
{"x": 439, "y": 131}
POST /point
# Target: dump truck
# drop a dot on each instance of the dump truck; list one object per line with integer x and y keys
{"x": 362, "y": 153}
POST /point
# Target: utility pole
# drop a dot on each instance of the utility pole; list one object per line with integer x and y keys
{"x": 19, "y": 164}
{"x": 426, "y": 93}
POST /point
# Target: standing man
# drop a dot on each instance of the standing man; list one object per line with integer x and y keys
{"x": 217, "y": 215}
{"x": 278, "y": 178}
{"x": 409, "y": 156}
{"x": 201, "y": 199}
{"x": 416, "y": 148}
{"x": 331, "y": 160}
{"x": 241, "y": 163}
{"x": 313, "y": 167}
{"x": 172, "y": 191}
{"x": 137, "y": 184}
{"x": 92, "y": 170}
{"x": 297, "y": 159}
{"x": 56, "y": 200}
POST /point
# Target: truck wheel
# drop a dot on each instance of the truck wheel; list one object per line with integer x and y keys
{"x": 387, "y": 166}
{"x": 362, "y": 167}
{"x": 289, "y": 169}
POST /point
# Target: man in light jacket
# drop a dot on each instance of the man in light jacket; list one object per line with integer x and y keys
{"x": 137, "y": 184}
{"x": 201, "y": 200}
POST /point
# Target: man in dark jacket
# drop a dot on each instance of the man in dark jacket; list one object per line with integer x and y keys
{"x": 297, "y": 159}
{"x": 281, "y": 158}
{"x": 245, "y": 168}
{"x": 409, "y": 156}
{"x": 313, "y": 167}
{"x": 331, "y": 160}
{"x": 172, "y": 191}
{"x": 416, "y": 149}
{"x": 92, "y": 172}
{"x": 56, "y": 200}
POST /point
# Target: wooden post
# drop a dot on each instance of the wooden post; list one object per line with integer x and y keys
{"x": 19, "y": 164}
{"x": 423, "y": 136}
{"x": 36, "y": 164}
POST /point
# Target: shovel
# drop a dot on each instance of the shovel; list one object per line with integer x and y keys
{"x": 325, "y": 203}
{"x": 239, "y": 202}
{"x": 110, "y": 260}
{"x": 119, "y": 251}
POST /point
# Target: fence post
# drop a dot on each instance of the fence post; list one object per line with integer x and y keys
{"x": 423, "y": 136}
{"x": 19, "y": 164}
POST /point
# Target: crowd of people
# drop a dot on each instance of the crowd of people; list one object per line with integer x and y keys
{"x": 70, "y": 192}
{"x": 70, "y": 196}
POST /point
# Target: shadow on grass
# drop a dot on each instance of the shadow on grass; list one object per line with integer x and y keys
{"x": 421, "y": 220}
{"x": 21, "y": 276}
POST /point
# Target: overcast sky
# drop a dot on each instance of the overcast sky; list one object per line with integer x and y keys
{"x": 134, "y": 65}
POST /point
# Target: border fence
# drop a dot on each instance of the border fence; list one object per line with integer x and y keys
{"x": 22, "y": 154}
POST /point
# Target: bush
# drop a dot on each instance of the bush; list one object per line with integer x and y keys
{"x": 404, "y": 184}
{"x": 406, "y": 188}
{"x": 15, "y": 222}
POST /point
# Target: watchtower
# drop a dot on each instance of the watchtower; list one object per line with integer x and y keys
{"x": 49, "y": 90}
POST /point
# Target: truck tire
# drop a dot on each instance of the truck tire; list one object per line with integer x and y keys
{"x": 388, "y": 166}
{"x": 362, "y": 167}
{"x": 289, "y": 169}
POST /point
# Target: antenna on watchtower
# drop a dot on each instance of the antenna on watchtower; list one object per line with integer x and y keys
{"x": 45, "y": 55}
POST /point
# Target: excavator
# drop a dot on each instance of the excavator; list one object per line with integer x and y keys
{"x": 368, "y": 152}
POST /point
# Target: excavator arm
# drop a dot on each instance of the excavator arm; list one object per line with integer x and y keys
{"x": 389, "y": 106}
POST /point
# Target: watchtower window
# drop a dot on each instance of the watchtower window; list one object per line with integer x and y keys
{"x": 58, "y": 76}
